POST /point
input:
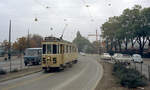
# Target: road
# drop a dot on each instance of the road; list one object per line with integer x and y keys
{"x": 82, "y": 76}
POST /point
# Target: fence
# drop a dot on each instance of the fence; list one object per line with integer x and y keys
{"x": 144, "y": 69}
{"x": 16, "y": 63}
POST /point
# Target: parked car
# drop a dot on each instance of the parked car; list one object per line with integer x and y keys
{"x": 123, "y": 58}
{"x": 33, "y": 56}
{"x": 81, "y": 53}
{"x": 116, "y": 55}
{"x": 105, "y": 56}
{"x": 137, "y": 58}
{"x": 2, "y": 52}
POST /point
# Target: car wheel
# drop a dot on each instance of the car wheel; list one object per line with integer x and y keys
{"x": 26, "y": 64}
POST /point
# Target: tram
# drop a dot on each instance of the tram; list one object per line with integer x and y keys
{"x": 58, "y": 54}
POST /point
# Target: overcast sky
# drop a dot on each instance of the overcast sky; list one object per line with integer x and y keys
{"x": 56, "y": 13}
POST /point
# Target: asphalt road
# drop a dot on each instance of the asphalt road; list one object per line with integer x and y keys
{"x": 82, "y": 76}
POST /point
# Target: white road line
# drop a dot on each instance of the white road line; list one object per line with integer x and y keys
{"x": 99, "y": 77}
{"x": 70, "y": 80}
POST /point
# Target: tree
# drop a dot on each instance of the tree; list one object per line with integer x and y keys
{"x": 5, "y": 44}
{"x": 146, "y": 15}
{"x": 35, "y": 40}
{"x": 32, "y": 41}
{"x": 83, "y": 44}
{"x": 22, "y": 44}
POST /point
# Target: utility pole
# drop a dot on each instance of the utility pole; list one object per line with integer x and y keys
{"x": 9, "y": 47}
{"x": 97, "y": 42}
{"x": 28, "y": 40}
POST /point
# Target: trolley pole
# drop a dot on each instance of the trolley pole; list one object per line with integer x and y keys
{"x": 9, "y": 45}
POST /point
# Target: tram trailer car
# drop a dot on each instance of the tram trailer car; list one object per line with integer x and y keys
{"x": 57, "y": 54}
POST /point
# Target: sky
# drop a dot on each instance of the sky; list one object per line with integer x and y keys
{"x": 85, "y": 16}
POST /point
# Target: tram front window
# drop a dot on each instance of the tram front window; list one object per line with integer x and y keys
{"x": 54, "y": 49}
{"x": 49, "y": 51}
{"x": 44, "y": 49}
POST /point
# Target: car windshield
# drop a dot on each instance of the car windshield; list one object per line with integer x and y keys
{"x": 137, "y": 56}
{"x": 32, "y": 52}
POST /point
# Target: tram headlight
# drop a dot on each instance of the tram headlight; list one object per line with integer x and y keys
{"x": 54, "y": 60}
{"x": 44, "y": 60}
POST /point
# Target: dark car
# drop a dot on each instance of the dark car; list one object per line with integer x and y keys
{"x": 2, "y": 52}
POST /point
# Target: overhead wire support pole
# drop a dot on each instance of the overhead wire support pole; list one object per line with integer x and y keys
{"x": 63, "y": 31}
{"x": 9, "y": 47}
{"x": 28, "y": 40}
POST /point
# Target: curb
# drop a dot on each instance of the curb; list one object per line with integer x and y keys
{"x": 18, "y": 76}
{"x": 102, "y": 71}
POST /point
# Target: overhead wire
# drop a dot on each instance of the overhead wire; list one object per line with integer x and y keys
{"x": 88, "y": 9}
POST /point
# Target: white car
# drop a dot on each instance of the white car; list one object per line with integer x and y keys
{"x": 124, "y": 58}
{"x": 116, "y": 55}
{"x": 83, "y": 54}
{"x": 137, "y": 58}
{"x": 106, "y": 56}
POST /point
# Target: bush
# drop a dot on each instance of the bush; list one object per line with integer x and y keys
{"x": 128, "y": 77}
{"x": 2, "y": 72}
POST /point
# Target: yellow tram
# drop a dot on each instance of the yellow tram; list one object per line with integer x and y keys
{"x": 57, "y": 53}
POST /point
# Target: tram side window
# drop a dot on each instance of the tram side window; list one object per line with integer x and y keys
{"x": 49, "y": 49}
{"x": 44, "y": 49}
{"x": 66, "y": 49}
{"x": 54, "y": 49}
{"x": 61, "y": 49}
{"x": 70, "y": 49}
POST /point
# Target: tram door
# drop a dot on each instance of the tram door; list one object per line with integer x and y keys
{"x": 62, "y": 52}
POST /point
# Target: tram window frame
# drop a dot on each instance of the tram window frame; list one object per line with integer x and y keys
{"x": 58, "y": 48}
{"x": 66, "y": 48}
{"x": 62, "y": 49}
{"x": 54, "y": 51}
{"x": 73, "y": 49}
{"x": 49, "y": 49}
{"x": 44, "y": 48}
{"x": 70, "y": 49}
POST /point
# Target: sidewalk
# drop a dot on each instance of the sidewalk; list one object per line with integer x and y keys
{"x": 21, "y": 73}
{"x": 108, "y": 81}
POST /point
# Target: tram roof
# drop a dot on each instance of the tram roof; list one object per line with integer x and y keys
{"x": 54, "y": 39}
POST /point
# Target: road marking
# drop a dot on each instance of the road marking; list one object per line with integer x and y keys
{"x": 100, "y": 77}
{"x": 70, "y": 80}
{"x": 27, "y": 82}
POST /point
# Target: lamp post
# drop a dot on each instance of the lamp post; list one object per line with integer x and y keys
{"x": 9, "y": 47}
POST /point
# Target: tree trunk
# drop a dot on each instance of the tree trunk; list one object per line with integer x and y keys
{"x": 126, "y": 44}
{"x": 107, "y": 45}
{"x": 141, "y": 41}
{"x": 119, "y": 44}
{"x": 111, "y": 46}
{"x": 133, "y": 43}
{"x": 115, "y": 46}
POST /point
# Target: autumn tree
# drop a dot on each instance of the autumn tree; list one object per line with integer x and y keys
{"x": 31, "y": 41}
{"x": 5, "y": 44}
